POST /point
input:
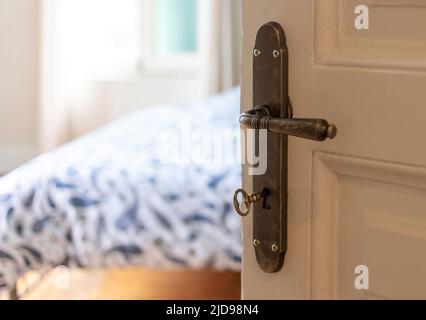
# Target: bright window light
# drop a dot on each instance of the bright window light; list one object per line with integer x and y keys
{"x": 99, "y": 38}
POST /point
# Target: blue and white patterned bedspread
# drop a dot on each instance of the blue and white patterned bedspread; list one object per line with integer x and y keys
{"x": 105, "y": 200}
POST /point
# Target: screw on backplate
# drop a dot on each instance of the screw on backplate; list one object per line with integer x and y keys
{"x": 256, "y": 242}
{"x": 276, "y": 53}
{"x": 275, "y": 248}
{"x": 256, "y": 52}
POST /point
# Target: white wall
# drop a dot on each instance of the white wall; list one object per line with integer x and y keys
{"x": 18, "y": 72}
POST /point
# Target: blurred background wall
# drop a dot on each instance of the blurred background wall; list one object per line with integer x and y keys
{"x": 18, "y": 81}
{"x": 70, "y": 66}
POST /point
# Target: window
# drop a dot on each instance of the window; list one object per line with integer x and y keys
{"x": 173, "y": 29}
{"x": 175, "y": 26}
{"x": 110, "y": 38}
{"x": 97, "y": 38}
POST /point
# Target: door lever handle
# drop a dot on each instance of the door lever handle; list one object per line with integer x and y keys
{"x": 262, "y": 117}
{"x": 273, "y": 113}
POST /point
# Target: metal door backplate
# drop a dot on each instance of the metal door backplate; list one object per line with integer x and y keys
{"x": 270, "y": 87}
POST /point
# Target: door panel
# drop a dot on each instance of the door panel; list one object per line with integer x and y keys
{"x": 396, "y": 39}
{"x": 359, "y": 199}
{"x": 395, "y": 21}
{"x": 372, "y": 213}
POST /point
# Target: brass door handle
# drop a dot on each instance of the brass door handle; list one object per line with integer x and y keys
{"x": 272, "y": 112}
{"x": 243, "y": 207}
{"x": 262, "y": 117}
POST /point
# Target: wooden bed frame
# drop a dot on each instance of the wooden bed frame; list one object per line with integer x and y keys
{"x": 140, "y": 284}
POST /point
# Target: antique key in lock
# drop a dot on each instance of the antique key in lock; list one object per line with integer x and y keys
{"x": 243, "y": 208}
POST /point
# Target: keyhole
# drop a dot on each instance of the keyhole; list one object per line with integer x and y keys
{"x": 266, "y": 193}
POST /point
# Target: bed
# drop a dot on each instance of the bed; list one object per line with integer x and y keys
{"x": 109, "y": 199}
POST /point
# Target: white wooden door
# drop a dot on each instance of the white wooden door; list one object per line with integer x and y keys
{"x": 359, "y": 200}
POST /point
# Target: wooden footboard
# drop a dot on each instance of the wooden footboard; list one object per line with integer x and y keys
{"x": 138, "y": 284}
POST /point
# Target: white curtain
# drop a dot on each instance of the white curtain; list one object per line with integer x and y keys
{"x": 69, "y": 102}
{"x": 225, "y": 48}
{"x": 52, "y": 130}
{"x": 75, "y": 50}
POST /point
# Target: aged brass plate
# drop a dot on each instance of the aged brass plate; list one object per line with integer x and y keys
{"x": 270, "y": 87}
